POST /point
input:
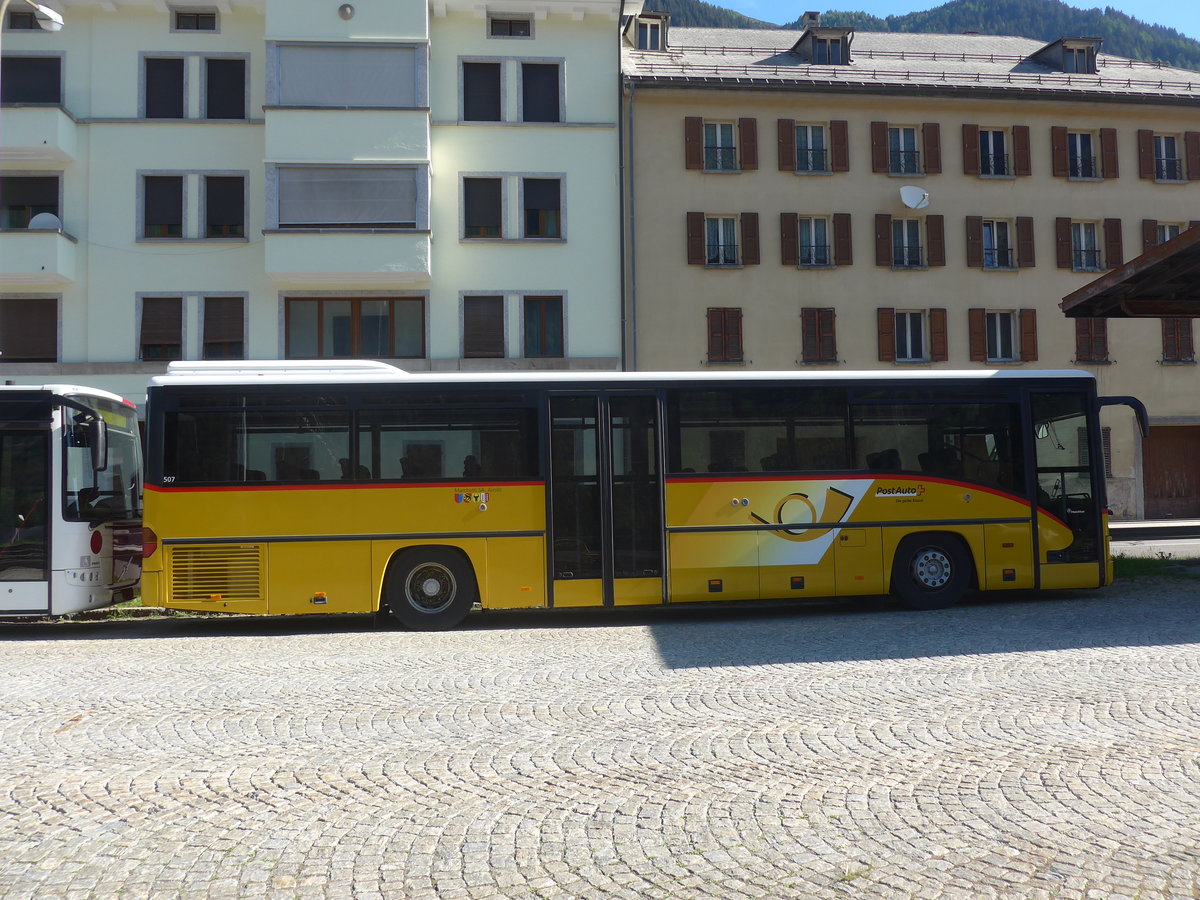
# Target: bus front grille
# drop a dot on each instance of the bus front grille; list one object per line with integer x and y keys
{"x": 218, "y": 573}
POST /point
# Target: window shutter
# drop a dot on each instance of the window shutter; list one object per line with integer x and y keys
{"x": 748, "y": 144}
{"x": 750, "y": 255}
{"x": 225, "y": 88}
{"x": 975, "y": 241}
{"x": 164, "y": 88}
{"x": 1149, "y": 234}
{"x": 789, "y": 239}
{"x": 808, "y": 334}
{"x": 1059, "y": 165}
{"x": 1145, "y": 144}
{"x": 733, "y": 335}
{"x": 693, "y": 142}
{"x": 787, "y": 145}
{"x": 938, "y": 343}
{"x": 977, "y": 334}
{"x": 162, "y": 328}
{"x": 1191, "y": 151}
{"x": 886, "y": 318}
{"x": 883, "y": 239}
{"x": 1114, "y": 253}
{"x": 695, "y": 239}
{"x": 716, "y": 335}
{"x": 1108, "y": 153}
{"x": 1029, "y": 348}
{"x": 827, "y": 346}
{"x": 483, "y": 327}
{"x": 1091, "y": 340}
{"x": 1062, "y": 242}
{"x": 840, "y": 147}
{"x": 970, "y": 147}
{"x": 29, "y": 329}
{"x": 1177, "y": 340}
{"x": 935, "y": 238}
{"x": 1022, "y": 158}
{"x": 879, "y": 147}
{"x": 1025, "y": 254}
{"x": 843, "y": 250}
{"x": 931, "y": 137}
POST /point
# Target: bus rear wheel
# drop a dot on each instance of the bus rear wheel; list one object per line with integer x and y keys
{"x": 430, "y": 589}
{"x": 930, "y": 571}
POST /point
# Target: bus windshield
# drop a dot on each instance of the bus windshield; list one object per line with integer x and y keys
{"x": 112, "y": 492}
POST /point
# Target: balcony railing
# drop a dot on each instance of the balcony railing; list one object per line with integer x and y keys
{"x": 994, "y": 164}
{"x": 905, "y": 162}
{"x": 722, "y": 255}
{"x": 1086, "y": 260}
{"x": 811, "y": 161}
{"x": 998, "y": 258}
{"x": 1168, "y": 169}
{"x": 1083, "y": 167}
{"x": 814, "y": 254}
{"x": 907, "y": 257}
{"x": 720, "y": 159}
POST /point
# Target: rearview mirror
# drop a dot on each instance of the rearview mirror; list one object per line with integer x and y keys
{"x": 98, "y": 443}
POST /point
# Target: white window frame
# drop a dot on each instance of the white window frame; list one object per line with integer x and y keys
{"x": 825, "y": 49}
{"x": 993, "y": 143}
{"x": 904, "y": 152}
{"x": 651, "y": 31}
{"x": 721, "y": 234}
{"x": 812, "y": 148}
{"x": 1001, "y": 329}
{"x": 1169, "y": 231}
{"x": 816, "y": 252}
{"x": 1085, "y": 247}
{"x": 1168, "y": 165}
{"x": 1082, "y": 162}
{"x": 911, "y": 335}
{"x": 720, "y": 147}
{"x": 998, "y": 250}
{"x": 907, "y": 251}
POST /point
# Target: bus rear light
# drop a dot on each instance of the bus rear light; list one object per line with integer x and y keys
{"x": 97, "y": 542}
{"x": 149, "y": 542}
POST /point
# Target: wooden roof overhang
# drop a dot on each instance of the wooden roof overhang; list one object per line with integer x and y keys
{"x": 1163, "y": 281}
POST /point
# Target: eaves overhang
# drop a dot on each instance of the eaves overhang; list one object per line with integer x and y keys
{"x": 1163, "y": 281}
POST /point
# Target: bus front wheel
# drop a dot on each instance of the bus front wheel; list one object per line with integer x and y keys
{"x": 430, "y": 589}
{"x": 930, "y": 571}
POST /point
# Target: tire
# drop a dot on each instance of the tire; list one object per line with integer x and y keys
{"x": 430, "y": 589}
{"x": 930, "y": 571}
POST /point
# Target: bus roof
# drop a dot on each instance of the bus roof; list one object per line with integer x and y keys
{"x": 74, "y": 391}
{"x": 350, "y": 372}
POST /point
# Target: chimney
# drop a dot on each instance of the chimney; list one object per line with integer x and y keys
{"x": 810, "y": 20}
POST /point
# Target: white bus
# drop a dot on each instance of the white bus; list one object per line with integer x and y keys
{"x": 70, "y": 499}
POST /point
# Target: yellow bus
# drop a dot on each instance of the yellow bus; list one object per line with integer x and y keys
{"x": 292, "y": 487}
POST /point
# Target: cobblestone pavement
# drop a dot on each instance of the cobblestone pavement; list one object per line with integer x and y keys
{"x": 1025, "y": 747}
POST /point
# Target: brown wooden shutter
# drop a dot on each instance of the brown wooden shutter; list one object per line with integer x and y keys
{"x": 931, "y": 137}
{"x": 1145, "y": 145}
{"x": 1114, "y": 251}
{"x": 789, "y": 239}
{"x": 695, "y": 239}
{"x": 787, "y": 145}
{"x": 938, "y": 341}
{"x": 970, "y": 148}
{"x": 883, "y": 239}
{"x": 977, "y": 334}
{"x": 162, "y": 328}
{"x": 975, "y": 241}
{"x": 733, "y": 334}
{"x": 935, "y": 239}
{"x": 1108, "y": 153}
{"x": 750, "y": 254}
{"x": 716, "y": 335}
{"x": 1062, "y": 242}
{"x": 1191, "y": 152}
{"x": 1149, "y": 234}
{"x": 879, "y": 147}
{"x": 1022, "y": 158}
{"x": 1025, "y": 252}
{"x": 748, "y": 143}
{"x": 1060, "y": 166}
{"x": 839, "y": 145}
{"x": 827, "y": 346}
{"x": 1177, "y": 340}
{"x": 724, "y": 334}
{"x": 1029, "y": 348}
{"x": 809, "y": 334}
{"x": 885, "y": 318}
{"x": 483, "y": 326}
{"x": 1091, "y": 340}
{"x": 693, "y": 142}
{"x": 843, "y": 248}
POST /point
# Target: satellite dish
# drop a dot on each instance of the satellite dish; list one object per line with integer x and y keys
{"x": 46, "y": 222}
{"x": 914, "y": 197}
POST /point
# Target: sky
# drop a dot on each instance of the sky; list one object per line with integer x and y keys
{"x": 1182, "y": 15}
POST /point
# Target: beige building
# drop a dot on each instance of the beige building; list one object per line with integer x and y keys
{"x": 839, "y": 200}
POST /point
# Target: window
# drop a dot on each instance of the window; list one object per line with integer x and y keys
{"x": 24, "y": 196}
{"x": 164, "y": 88}
{"x": 903, "y": 156}
{"x": 28, "y": 330}
{"x": 540, "y": 92}
{"x": 1081, "y": 156}
{"x": 1091, "y": 340}
{"x": 20, "y": 20}
{"x": 1001, "y": 342}
{"x": 813, "y": 241}
{"x": 997, "y": 251}
{"x": 343, "y": 327}
{"x": 1167, "y": 231}
{"x": 1003, "y": 335}
{"x": 348, "y": 75}
{"x": 818, "y": 342}
{"x": 910, "y": 336}
{"x": 906, "y": 243}
{"x": 543, "y": 326}
{"x": 649, "y": 35}
{"x": 811, "y": 155}
{"x": 1167, "y": 164}
{"x": 1078, "y": 60}
{"x": 224, "y": 326}
{"x": 195, "y": 21}
{"x": 993, "y": 155}
{"x": 721, "y": 241}
{"x": 1177, "y": 340}
{"x": 542, "y": 207}
{"x": 224, "y": 206}
{"x": 30, "y": 79}
{"x": 161, "y": 335}
{"x": 510, "y": 26}
{"x": 483, "y": 327}
{"x": 347, "y": 196}
{"x": 829, "y": 51}
{"x": 720, "y": 152}
{"x": 225, "y": 88}
{"x": 481, "y": 207}
{"x": 1085, "y": 249}
{"x": 724, "y": 334}
{"x": 481, "y": 91}
{"x": 162, "y": 215}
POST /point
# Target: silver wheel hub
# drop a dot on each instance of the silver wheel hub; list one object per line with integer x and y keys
{"x": 430, "y": 588}
{"x": 931, "y": 568}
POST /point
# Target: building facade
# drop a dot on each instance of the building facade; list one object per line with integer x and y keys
{"x": 430, "y": 185}
{"x": 838, "y": 200}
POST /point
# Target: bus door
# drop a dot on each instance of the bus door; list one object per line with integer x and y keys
{"x": 25, "y": 506}
{"x": 606, "y": 489}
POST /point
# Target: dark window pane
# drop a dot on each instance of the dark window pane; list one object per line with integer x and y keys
{"x": 164, "y": 206}
{"x": 543, "y": 326}
{"x": 22, "y": 198}
{"x": 303, "y": 328}
{"x": 31, "y": 79}
{"x": 224, "y": 328}
{"x": 409, "y": 328}
{"x": 510, "y": 27}
{"x": 164, "y": 88}
{"x": 481, "y": 203}
{"x": 481, "y": 92}
{"x": 225, "y": 96}
{"x": 28, "y": 330}
{"x": 195, "y": 21}
{"x": 224, "y": 206}
{"x": 539, "y": 92}
{"x": 483, "y": 327}
{"x": 542, "y": 207}
{"x": 162, "y": 328}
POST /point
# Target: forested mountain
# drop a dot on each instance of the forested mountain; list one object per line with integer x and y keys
{"x": 1044, "y": 20}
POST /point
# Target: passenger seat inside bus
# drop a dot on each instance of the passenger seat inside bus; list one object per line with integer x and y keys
{"x": 885, "y": 460}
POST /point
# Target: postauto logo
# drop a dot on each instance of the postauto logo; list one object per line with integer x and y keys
{"x": 901, "y": 490}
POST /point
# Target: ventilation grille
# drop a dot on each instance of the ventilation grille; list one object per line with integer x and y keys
{"x": 224, "y": 572}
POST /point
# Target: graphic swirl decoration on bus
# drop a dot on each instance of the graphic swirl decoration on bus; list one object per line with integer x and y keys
{"x": 837, "y": 504}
